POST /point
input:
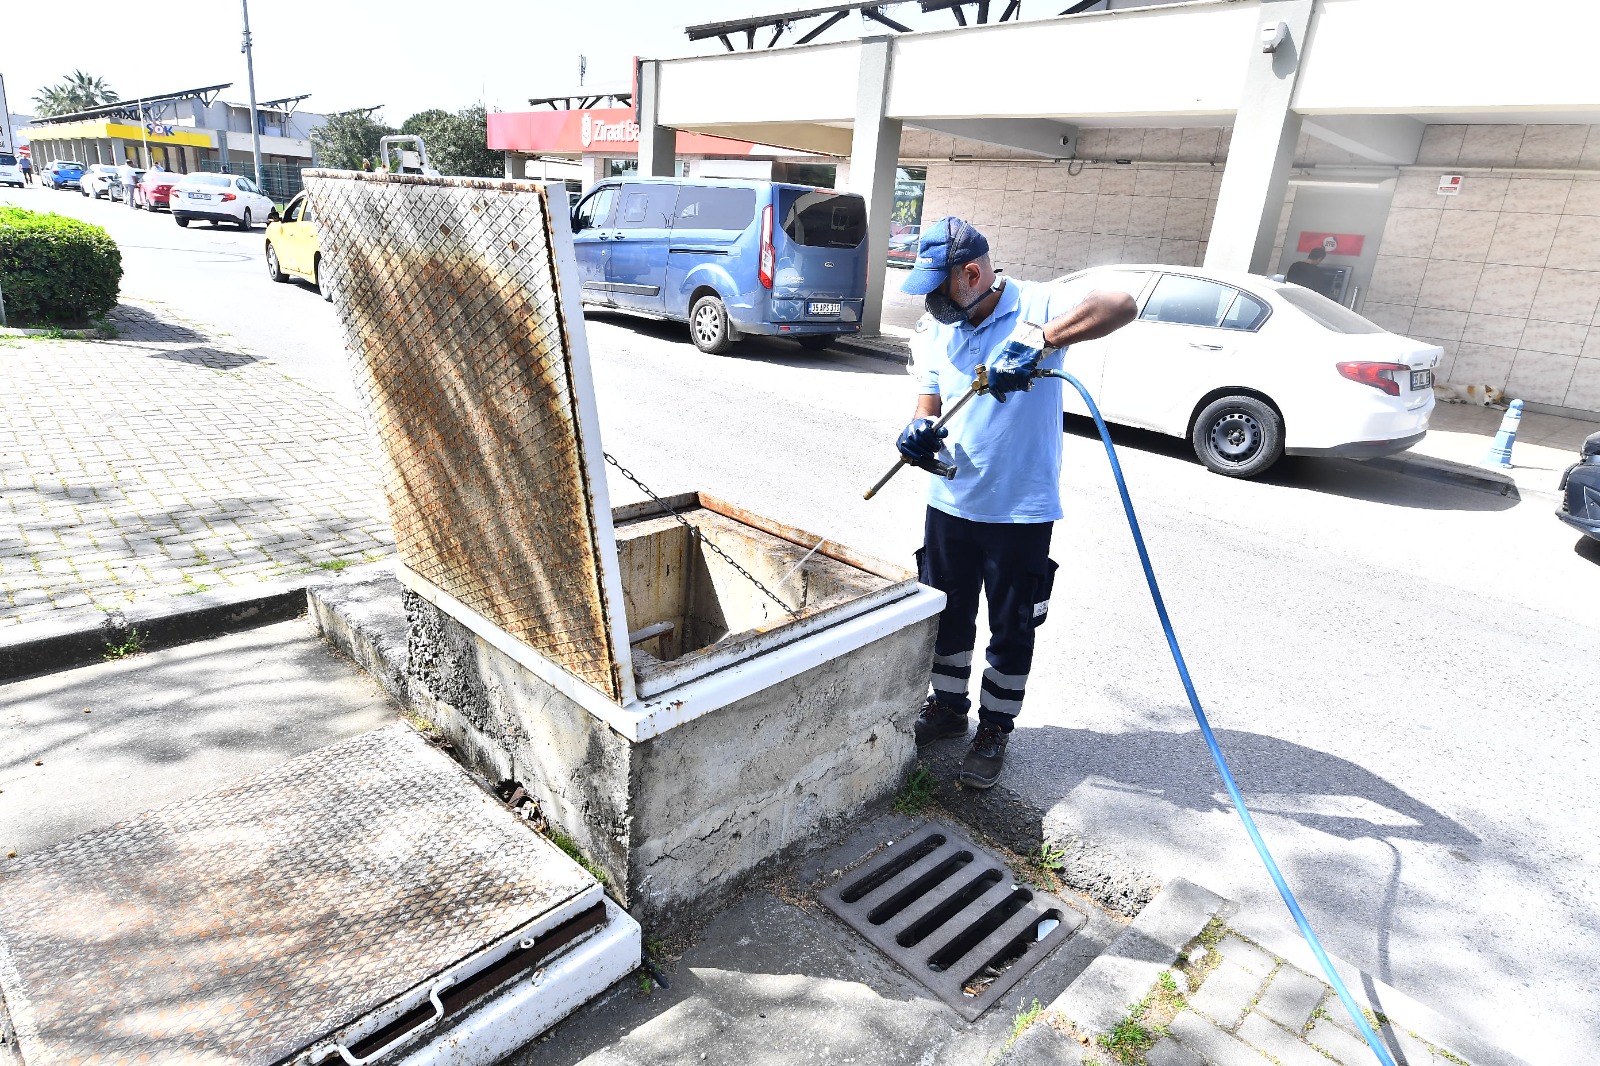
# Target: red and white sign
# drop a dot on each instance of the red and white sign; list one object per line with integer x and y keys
{"x": 610, "y": 130}
{"x": 1332, "y": 243}
{"x": 1449, "y": 184}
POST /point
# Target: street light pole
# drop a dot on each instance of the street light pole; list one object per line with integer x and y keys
{"x": 250, "y": 69}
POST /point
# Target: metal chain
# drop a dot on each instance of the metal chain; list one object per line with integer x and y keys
{"x": 694, "y": 531}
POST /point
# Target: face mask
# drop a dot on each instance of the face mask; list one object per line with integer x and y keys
{"x": 946, "y": 310}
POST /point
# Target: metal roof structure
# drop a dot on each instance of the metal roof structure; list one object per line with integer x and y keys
{"x": 784, "y": 21}
{"x": 580, "y": 99}
{"x": 133, "y": 108}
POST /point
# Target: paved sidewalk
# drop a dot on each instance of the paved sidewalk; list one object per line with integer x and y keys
{"x": 167, "y": 462}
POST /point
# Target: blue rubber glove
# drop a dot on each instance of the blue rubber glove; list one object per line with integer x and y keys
{"x": 919, "y": 442}
{"x": 1011, "y": 368}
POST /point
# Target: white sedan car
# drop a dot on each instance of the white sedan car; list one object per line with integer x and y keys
{"x": 219, "y": 198}
{"x": 1248, "y": 369}
{"x": 96, "y": 181}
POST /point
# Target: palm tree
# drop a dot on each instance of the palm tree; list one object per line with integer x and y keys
{"x": 76, "y": 92}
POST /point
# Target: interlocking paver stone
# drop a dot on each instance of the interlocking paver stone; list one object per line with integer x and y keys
{"x": 1285, "y": 1049}
{"x": 1217, "y": 1047}
{"x": 1346, "y": 1049}
{"x": 1167, "y": 1052}
{"x": 140, "y": 467}
{"x": 1227, "y": 994}
{"x": 1244, "y": 954}
{"x": 1291, "y": 997}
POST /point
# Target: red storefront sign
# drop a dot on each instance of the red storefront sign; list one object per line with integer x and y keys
{"x": 608, "y": 130}
{"x": 1333, "y": 243}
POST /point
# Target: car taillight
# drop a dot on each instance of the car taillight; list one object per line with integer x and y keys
{"x": 768, "y": 256}
{"x": 1383, "y": 376}
{"x": 228, "y": 196}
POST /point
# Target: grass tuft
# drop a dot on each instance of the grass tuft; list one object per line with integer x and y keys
{"x": 133, "y": 644}
{"x": 915, "y": 795}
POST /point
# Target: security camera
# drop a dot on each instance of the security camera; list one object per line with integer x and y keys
{"x": 1273, "y": 36}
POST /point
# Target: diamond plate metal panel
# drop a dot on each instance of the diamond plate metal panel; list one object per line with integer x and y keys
{"x": 241, "y": 926}
{"x": 952, "y": 915}
{"x": 448, "y": 295}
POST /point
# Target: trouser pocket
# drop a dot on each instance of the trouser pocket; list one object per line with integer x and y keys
{"x": 1042, "y": 579}
{"x": 922, "y": 564}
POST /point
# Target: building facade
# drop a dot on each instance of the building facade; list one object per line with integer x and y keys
{"x": 182, "y": 132}
{"x": 1448, "y": 158}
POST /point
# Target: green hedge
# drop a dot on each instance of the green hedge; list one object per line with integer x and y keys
{"x": 56, "y": 270}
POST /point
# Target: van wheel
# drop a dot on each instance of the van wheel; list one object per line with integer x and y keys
{"x": 1238, "y": 436}
{"x": 814, "y": 344}
{"x": 183, "y": 222}
{"x": 708, "y": 326}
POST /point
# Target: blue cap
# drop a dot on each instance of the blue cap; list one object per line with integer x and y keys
{"x": 947, "y": 243}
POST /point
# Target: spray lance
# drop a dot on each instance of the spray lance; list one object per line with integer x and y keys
{"x": 980, "y": 385}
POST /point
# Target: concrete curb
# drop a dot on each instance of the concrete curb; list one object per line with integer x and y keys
{"x": 1449, "y": 473}
{"x": 1098, "y": 999}
{"x": 59, "y": 334}
{"x": 894, "y": 352}
{"x": 34, "y": 648}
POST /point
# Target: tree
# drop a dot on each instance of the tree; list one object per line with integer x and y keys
{"x": 76, "y": 92}
{"x": 348, "y": 140}
{"x": 457, "y": 143}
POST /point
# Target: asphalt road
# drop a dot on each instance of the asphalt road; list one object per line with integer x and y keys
{"x": 1401, "y": 671}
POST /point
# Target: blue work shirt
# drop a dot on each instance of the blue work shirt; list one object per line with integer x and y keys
{"x": 1007, "y": 456}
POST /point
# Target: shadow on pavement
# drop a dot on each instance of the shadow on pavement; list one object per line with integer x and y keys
{"x": 210, "y": 358}
{"x": 136, "y": 323}
{"x": 1335, "y": 477}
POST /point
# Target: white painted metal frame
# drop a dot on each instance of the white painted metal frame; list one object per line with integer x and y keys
{"x": 587, "y": 420}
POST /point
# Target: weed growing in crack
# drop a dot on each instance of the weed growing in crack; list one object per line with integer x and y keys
{"x": 916, "y": 793}
{"x": 132, "y": 644}
{"x": 570, "y": 846}
{"x": 1021, "y": 1022}
{"x": 334, "y": 565}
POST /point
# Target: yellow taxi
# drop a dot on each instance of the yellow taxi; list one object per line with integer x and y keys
{"x": 292, "y": 246}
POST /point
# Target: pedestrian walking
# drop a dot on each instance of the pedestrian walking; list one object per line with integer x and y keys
{"x": 125, "y": 175}
{"x": 26, "y": 163}
{"x": 989, "y": 528}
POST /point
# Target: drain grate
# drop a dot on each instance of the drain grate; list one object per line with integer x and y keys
{"x": 952, "y": 916}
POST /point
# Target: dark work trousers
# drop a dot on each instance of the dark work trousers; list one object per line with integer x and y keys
{"x": 1010, "y": 563}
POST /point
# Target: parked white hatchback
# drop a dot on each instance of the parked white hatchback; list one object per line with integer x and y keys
{"x": 1249, "y": 369}
{"x": 219, "y": 198}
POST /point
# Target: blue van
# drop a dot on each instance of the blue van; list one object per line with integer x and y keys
{"x": 728, "y": 257}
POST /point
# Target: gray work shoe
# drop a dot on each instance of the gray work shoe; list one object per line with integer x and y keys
{"x": 939, "y": 721}
{"x": 981, "y": 768}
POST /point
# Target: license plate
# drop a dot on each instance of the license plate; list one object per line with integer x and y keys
{"x": 822, "y": 307}
{"x": 198, "y": 195}
{"x": 1421, "y": 379}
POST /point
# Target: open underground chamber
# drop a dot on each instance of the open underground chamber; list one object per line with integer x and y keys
{"x": 690, "y": 612}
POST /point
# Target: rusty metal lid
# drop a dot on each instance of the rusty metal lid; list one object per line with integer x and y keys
{"x": 459, "y": 304}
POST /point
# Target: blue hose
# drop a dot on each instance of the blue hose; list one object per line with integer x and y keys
{"x": 1211, "y": 741}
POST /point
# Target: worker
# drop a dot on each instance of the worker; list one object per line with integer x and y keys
{"x": 125, "y": 175}
{"x": 989, "y": 527}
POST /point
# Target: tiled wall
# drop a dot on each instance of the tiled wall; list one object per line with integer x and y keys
{"x": 1044, "y": 220}
{"x": 1505, "y": 275}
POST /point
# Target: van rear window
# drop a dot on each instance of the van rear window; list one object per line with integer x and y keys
{"x": 701, "y": 207}
{"x": 7, "y": 160}
{"x": 824, "y": 219}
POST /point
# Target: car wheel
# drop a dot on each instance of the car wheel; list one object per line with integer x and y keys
{"x": 183, "y": 222}
{"x": 708, "y": 326}
{"x": 326, "y": 289}
{"x": 244, "y": 223}
{"x": 815, "y": 344}
{"x": 274, "y": 271}
{"x": 1238, "y": 436}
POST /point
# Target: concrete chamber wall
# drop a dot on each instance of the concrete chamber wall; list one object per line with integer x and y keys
{"x": 687, "y": 815}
